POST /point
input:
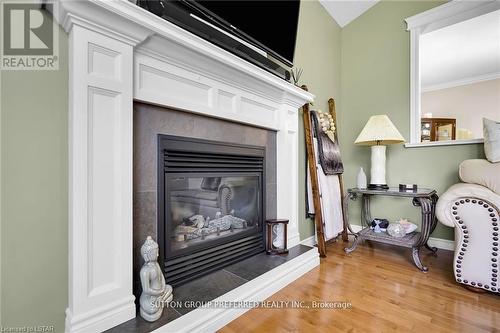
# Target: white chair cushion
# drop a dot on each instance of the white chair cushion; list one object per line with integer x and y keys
{"x": 481, "y": 172}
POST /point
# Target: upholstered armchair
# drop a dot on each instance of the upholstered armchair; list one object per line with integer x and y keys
{"x": 472, "y": 208}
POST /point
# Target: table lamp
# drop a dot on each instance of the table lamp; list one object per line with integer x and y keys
{"x": 378, "y": 132}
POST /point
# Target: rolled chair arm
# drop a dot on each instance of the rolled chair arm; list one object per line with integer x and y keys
{"x": 473, "y": 211}
{"x": 462, "y": 191}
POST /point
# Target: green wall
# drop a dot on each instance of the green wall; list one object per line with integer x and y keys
{"x": 318, "y": 53}
{"x": 375, "y": 80}
{"x": 34, "y": 179}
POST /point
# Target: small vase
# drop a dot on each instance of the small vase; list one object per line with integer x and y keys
{"x": 361, "y": 180}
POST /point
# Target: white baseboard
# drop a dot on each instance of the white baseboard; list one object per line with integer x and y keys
{"x": 309, "y": 241}
{"x": 440, "y": 243}
{"x": 258, "y": 289}
{"x": 293, "y": 239}
{"x": 101, "y": 319}
{"x": 443, "y": 244}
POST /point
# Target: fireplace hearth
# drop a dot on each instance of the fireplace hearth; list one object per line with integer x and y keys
{"x": 210, "y": 205}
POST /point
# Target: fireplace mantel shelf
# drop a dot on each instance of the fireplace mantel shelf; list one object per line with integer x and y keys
{"x": 135, "y": 26}
{"x": 119, "y": 53}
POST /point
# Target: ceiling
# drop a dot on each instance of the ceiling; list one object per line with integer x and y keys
{"x": 345, "y": 11}
{"x": 461, "y": 53}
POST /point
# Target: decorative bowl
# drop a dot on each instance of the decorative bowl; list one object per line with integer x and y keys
{"x": 396, "y": 230}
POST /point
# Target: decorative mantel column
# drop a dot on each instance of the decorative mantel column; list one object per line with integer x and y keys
{"x": 118, "y": 53}
{"x": 100, "y": 173}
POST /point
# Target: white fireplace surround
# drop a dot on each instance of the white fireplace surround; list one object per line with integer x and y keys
{"x": 119, "y": 53}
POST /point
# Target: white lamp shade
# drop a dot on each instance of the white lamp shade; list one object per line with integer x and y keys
{"x": 379, "y": 130}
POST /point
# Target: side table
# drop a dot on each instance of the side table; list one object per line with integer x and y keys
{"x": 424, "y": 198}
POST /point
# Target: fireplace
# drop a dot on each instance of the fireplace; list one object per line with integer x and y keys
{"x": 210, "y": 205}
{"x": 118, "y": 54}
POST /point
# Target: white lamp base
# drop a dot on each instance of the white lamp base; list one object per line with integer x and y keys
{"x": 377, "y": 174}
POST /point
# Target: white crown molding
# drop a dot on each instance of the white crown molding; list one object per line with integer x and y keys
{"x": 91, "y": 15}
{"x": 462, "y": 82}
{"x": 450, "y": 13}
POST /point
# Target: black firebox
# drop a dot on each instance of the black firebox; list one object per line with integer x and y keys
{"x": 210, "y": 205}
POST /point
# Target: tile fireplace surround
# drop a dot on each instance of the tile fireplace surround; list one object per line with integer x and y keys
{"x": 120, "y": 53}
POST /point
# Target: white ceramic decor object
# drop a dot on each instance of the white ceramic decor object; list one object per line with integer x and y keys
{"x": 361, "y": 179}
{"x": 377, "y": 172}
{"x": 155, "y": 292}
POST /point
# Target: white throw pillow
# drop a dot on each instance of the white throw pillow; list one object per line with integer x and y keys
{"x": 491, "y": 133}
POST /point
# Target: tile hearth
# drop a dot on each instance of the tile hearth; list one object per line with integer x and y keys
{"x": 211, "y": 286}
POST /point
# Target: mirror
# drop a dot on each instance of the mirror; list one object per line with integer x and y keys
{"x": 455, "y": 78}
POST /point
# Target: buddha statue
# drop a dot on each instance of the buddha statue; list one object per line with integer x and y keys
{"x": 155, "y": 292}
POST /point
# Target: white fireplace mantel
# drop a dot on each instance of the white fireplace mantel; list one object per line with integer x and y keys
{"x": 119, "y": 53}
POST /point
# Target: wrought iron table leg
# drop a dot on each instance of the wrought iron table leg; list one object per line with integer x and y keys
{"x": 416, "y": 259}
{"x": 350, "y": 196}
{"x": 434, "y": 199}
{"x": 428, "y": 208}
{"x": 366, "y": 216}
{"x": 431, "y": 248}
{"x": 353, "y": 246}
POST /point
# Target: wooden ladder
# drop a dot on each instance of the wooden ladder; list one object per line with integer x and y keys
{"x": 311, "y": 158}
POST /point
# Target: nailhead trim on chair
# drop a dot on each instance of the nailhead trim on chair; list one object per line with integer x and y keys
{"x": 494, "y": 271}
{"x": 458, "y": 270}
{"x": 465, "y": 241}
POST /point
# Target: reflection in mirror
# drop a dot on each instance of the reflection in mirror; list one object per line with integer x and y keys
{"x": 460, "y": 79}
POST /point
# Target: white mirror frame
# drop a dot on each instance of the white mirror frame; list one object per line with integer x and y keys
{"x": 447, "y": 14}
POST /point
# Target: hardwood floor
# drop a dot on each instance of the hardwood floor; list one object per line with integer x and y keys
{"x": 387, "y": 292}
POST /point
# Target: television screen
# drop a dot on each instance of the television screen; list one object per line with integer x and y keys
{"x": 270, "y": 25}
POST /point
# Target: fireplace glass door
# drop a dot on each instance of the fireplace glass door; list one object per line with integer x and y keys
{"x": 211, "y": 208}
